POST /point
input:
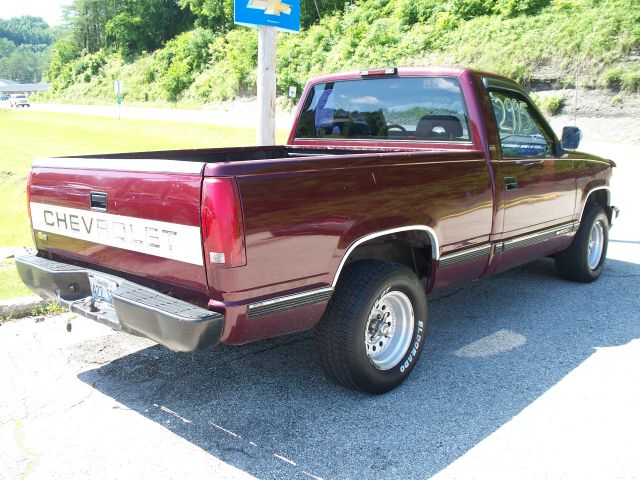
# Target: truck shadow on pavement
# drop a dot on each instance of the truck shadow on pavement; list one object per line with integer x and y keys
{"x": 494, "y": 347}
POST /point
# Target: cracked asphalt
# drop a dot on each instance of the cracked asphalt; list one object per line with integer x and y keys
{"x": 524, "y": 375}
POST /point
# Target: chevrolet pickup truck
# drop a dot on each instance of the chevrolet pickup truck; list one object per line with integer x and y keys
{"x": 394, "y": 183}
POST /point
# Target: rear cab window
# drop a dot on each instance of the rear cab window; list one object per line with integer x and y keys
{"x": 399, "y": 108}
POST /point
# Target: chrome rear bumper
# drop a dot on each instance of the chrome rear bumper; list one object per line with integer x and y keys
{"x": 178, "y": 325}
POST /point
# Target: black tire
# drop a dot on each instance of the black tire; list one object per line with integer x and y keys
{"x": 573, "y": 263}
{"x": 345, "y": 350}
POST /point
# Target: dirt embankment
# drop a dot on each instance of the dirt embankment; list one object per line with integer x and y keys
{"x": 603, "y": 116}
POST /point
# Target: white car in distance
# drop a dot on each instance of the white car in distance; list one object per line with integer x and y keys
{"x": 19, "y": 100}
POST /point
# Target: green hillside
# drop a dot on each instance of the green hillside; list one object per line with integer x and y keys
{"x": 203, "y": 58}
{"x": 24, "y": 48}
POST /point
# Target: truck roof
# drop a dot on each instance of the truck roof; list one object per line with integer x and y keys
{"x": 405, "y": 71}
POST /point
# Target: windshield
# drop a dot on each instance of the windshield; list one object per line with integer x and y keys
{"x": 405, "y": 108}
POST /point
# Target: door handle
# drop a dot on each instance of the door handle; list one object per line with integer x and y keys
{"x": 510, "y": 183}
{"x": 530, "y": 163}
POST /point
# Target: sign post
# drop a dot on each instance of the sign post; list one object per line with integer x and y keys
{"x": 118, "y": 88}
{"x": 269, "y": 16}
{"x": 266, "y": 134}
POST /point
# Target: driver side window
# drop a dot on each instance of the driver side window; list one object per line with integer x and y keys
{"x": 519, "y": 126}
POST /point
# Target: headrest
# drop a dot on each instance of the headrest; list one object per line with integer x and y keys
{"x": 439, "y": 127}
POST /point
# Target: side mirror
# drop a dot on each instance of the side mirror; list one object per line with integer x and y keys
{"x": 571, "y": 138}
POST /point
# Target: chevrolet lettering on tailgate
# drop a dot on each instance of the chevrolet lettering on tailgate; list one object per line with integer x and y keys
{"x": 162, "y": 239}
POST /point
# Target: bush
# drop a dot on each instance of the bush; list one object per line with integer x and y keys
{"x": 411, "y": 12}
{"x": 467, "y": 9}
{"x": 180, "y": 61}
{"x": 513, "y": 8}
{"x": 554, "y": 104}
{"x": 175, "y": 79}
{"x": 625, "y": 78}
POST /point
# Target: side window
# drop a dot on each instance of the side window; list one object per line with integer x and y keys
{"x": 520, "y": 128}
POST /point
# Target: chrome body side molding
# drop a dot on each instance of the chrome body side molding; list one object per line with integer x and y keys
{"x": 531, "y": 239}
{"x": 287, "y": 302}
{"x": 435, "y": 246}
{"x": 484, "y": 250}
{"x": 464, "y": 255}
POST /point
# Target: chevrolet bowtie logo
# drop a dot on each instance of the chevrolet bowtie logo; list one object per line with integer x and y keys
{"x": 270, "y": 7}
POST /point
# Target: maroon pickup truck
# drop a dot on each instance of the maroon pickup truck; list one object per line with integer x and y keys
{"x": 394, "y": 183}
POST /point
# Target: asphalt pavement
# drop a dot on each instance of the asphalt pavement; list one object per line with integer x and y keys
{"x": 524, "y": 375}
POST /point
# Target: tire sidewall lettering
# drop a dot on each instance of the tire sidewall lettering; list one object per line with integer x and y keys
{"x": 416, "y": 344}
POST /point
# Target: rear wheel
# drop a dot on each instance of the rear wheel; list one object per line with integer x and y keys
{"x": 374, "y": 328}
{"x": 583, "y": 260}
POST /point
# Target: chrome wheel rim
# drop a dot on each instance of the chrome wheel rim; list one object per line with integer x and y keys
{"x": 389, "y": 330}
{"x": 596, "y": 245}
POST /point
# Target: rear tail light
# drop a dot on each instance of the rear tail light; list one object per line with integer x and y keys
{"x": 222, "y": 224}
{"x": 29, "y": 198}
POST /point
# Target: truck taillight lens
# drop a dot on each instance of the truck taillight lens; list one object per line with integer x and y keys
{"x": 222, "y": 225}
{"x": 29, "y": 198}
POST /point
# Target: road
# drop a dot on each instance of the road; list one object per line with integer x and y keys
{"x": 524, "y": 376}
{"x": 241, "y": 113}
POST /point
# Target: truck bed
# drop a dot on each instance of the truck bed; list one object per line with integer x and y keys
{"x": 240, "y": 154}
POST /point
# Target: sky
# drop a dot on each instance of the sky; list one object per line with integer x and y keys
{"x": 50, "y": 10}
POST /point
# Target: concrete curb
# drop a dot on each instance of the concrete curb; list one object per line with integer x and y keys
{"x": 20, "y": 307}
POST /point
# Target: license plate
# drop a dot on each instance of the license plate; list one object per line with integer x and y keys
{"x": 102, "y": 288}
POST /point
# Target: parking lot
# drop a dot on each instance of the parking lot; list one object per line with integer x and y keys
{"x": 524, "y": 375}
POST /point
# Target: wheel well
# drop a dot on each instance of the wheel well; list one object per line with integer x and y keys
{"x": 598, "y": 197}
{"x": 601, "y": 197}
{"x": 411, "y": 248}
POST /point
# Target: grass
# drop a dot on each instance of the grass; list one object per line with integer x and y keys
{"x": 48, "y": 309}
{"x": 10, "y": 284}
{"x": 25, "y": 135}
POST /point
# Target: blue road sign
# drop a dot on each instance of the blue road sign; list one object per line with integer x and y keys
{"x": 283, "y": 14}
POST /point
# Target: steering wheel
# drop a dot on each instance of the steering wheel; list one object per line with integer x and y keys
{"x": 398, "y": 127}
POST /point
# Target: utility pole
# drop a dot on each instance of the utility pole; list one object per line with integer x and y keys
{"x": 267, "y": 40}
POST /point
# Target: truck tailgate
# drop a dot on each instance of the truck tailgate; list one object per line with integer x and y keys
{"x": 140, "y": 217}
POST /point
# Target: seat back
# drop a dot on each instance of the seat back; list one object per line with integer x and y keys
{"x": 439, "y": 127}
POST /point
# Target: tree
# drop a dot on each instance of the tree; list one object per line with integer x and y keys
{"x": 26, "y": 30}
{"x": 24, "y": 48}
{"x": 24, "y": 64}
{"x": 216, "y": 15}
{"x": 59, "y": 73}
{"x": 145, "y": 25}
{"x": 6, "y": 47}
